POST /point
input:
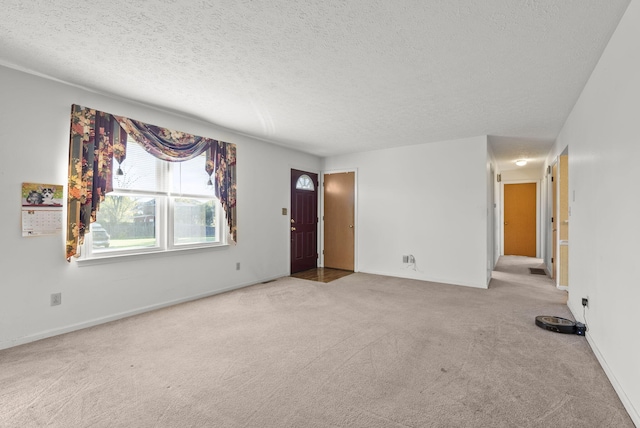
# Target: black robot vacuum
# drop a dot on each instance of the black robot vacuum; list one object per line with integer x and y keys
{"x": 560, "y": 325}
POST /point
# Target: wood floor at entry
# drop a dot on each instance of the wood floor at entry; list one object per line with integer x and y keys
{"x": 322, "y": 274}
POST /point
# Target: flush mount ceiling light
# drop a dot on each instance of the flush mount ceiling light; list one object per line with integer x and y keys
{"x": 521, "y": 162}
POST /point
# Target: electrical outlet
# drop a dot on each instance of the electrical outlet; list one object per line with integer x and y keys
{"x": 585, "y": 302}
{"x": 56, "y": 299}
{"x": 405, "y": 259}
{"x": 238, "y": 266}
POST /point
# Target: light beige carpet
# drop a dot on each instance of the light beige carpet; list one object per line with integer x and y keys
{"x": 362, "y": 351}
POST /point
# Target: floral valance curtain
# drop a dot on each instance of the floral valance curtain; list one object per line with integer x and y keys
{"x": 166, "y": 144}
{"x": 97, "y": 137}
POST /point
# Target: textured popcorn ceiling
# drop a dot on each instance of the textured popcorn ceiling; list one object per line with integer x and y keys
{"x": 328, "y": 76}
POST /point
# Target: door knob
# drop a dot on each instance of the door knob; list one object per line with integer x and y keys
{"x": 350, "y": 226}
{"x": 293, "y": 221}
{"x": 293, "y": 228}
{"x": 505, "y": 223}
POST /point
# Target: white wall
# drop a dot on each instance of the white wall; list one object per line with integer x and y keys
{"x": 522, "y": 175}
{"x": 34, "y": 133}
{"x": 429, "y": 200}
{"x": 603, "y": 137}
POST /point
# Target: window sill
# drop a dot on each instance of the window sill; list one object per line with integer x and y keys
{"x": 118, "y": 258}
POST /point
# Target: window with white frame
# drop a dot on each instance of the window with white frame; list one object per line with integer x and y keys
{"x": 156, "y": 206}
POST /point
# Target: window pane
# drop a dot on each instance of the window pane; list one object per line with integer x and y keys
{"x": 141, "y": 170}
{"x": 129, "y": 222}
{"x": 191, "y": 178}
{"x": 194, "y": 221}
{"x": 305, "y": 183}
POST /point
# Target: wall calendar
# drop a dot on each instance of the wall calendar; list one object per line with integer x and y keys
{"x": 41, "y": 209}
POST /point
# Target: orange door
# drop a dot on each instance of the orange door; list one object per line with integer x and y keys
{"x": 339, "y": 208}
{"x": 520, "y": 219}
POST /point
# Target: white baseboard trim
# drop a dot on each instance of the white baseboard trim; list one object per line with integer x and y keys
{"x": 626, "y": 402}
{"x": 562, "y": 287}
{"x": 97, "y": 321}
{"x": 628, "y": 405}
{"x": 428, "y": 279}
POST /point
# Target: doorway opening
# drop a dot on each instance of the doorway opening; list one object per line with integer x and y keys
{"x": 520, "y": 232}
{"x": 563, "y": 220}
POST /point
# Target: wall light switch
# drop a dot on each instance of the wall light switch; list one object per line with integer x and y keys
{"x": 284, "y": 211}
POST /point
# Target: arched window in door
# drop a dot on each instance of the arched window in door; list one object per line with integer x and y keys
{"x": 305, "y": 183}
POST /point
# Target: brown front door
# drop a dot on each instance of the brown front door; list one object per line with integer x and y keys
{"x": 304, "y": 221}
{"x": 339, "y": 227}
{"x": 520, "y": 219}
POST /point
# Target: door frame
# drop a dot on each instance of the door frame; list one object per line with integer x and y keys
{"x": 538, "y": 215}
{"x": 549, "y": 214}
{"x": 355, "y": 214}
{"x": 566, "y": 200}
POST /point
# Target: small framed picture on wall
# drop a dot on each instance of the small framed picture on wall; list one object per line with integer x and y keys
{"x": 41, "y": 209}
